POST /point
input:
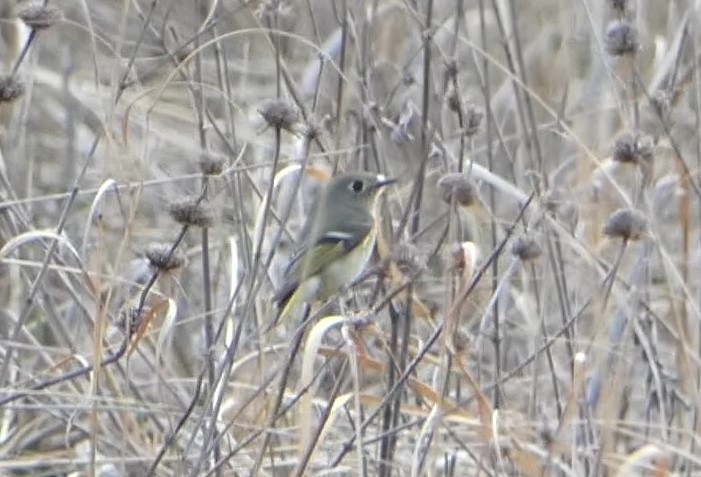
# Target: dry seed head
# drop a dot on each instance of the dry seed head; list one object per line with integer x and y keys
{"x": 129, "y": 319}
{"x": 279, "y": 114}
{"x": 192, "y": 211}
{"x": 631, "y": 147}
{"x": 459, "y": 186}
{"x": 312, "y": 130}
{"x": 10, "y": 89}
{"x": 40, "y": 16}
{"x": 625, "y": 223}
{"x": 624, "y": 147}
{"x": 473, "y": 119}
{"x": 452, "y": 99}
{"x": 526, "y": 248}
{"x": 211, "y": 165}
{"x": 619, "y": 6}
{"x": 159, "y": 256}
{"x": 621, "y": 38}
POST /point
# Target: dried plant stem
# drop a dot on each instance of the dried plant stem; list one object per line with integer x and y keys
{"x": 428, "y": 344}
{"x": 30, "y": 300}
{"x": 254, "y": 283}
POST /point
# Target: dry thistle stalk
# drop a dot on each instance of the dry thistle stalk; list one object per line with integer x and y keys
{"x": 279, "y": 115}
{"x": 159, "y": 257}
{"x": 10, "y": 89}
{"x": 621, "y": 38}
{"x": 625, "y": 223}
{"x": 458, "y": 186}
{"x": 39, "y": 16}
{"x": 526, "y": 248}
{"x": 191, "y": 211}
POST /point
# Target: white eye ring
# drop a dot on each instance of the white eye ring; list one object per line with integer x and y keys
{"x": 356, "y": 185}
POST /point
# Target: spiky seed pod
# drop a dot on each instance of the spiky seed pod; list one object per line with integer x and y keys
{"x": 459, "y": 186}
{"x": 159, "y": 257}
{"x": 192, "y": 211}
{"x": 10, "y": 89}
{"x": 624, "y": 147}
{"x": 473, "y": 119}
{"x": 632, "y": 147}
{"x": 211, "y": 165}
{"x": 312, "y": 130}
{"x": 625, "y": 223}
{"x": 39, "y": 16}
{"x": 621, "y": 38}
{"x": 279, "y": 114}
{"x": 526, "y": 248}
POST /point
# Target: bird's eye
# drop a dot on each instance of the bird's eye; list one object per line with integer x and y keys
{"x": 356, "y": 186}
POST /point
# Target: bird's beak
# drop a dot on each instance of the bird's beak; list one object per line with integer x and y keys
{"x": 382, "y": 181}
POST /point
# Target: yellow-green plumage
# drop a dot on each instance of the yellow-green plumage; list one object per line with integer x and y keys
{"x": 339, "y": 246}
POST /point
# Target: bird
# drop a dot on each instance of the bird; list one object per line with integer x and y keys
{"x": 340, "y": 244}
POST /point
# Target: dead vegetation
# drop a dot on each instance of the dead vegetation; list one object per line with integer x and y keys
{"x": 532, "y": 308}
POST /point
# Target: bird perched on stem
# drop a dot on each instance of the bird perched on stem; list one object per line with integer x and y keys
{"x": 341, "y": 242}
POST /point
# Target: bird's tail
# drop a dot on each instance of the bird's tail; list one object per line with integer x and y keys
{"x": 292, "y": 301}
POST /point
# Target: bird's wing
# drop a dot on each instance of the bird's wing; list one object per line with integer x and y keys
{"x": 326, "y": 249}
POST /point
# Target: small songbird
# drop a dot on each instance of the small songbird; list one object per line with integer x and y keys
{"x": 341, "y": 242}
